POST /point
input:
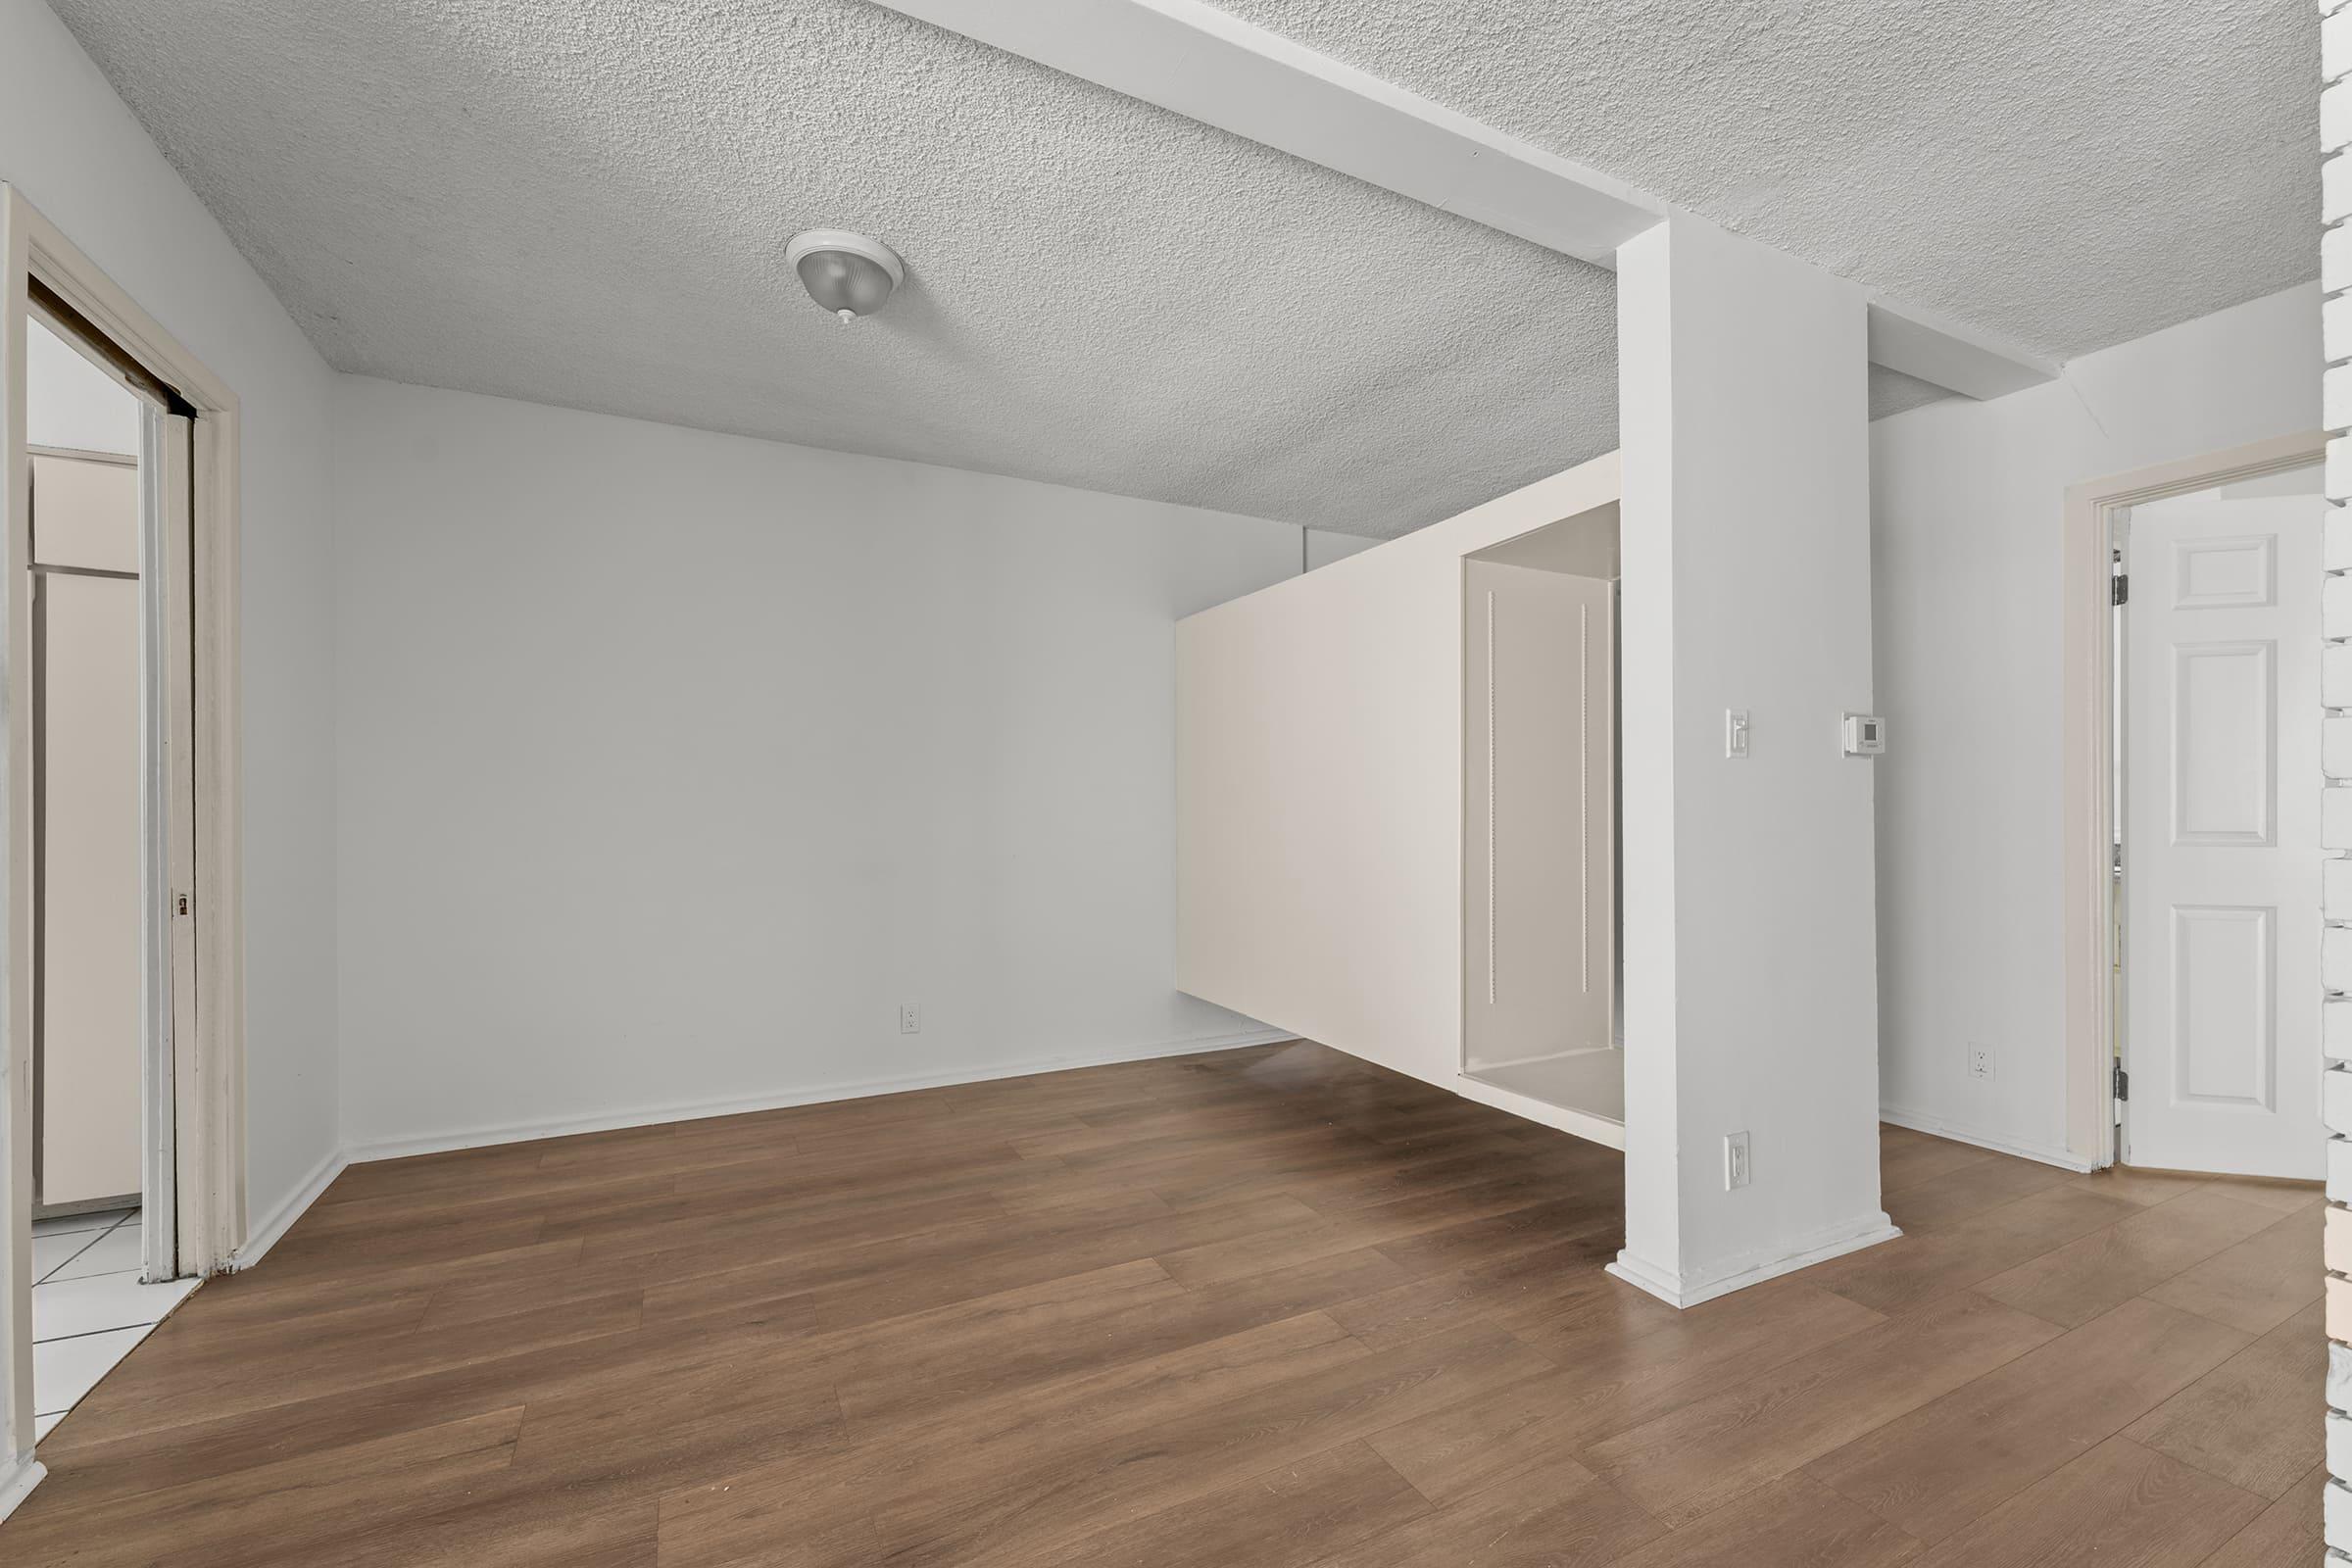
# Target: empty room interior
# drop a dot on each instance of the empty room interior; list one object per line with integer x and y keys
{"x": 1180, "y": 783}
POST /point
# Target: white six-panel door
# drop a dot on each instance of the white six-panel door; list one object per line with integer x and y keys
{"x": 2221, "y": 870}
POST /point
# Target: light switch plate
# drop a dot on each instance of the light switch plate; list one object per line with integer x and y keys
{"x": 1734, "y": 732}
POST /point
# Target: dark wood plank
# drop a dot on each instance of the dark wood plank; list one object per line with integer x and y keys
{"x": 1958, "y": 1457}
{"x": 1917, "y": 1270}
{"x": 1294, "y": 1515}
{"x": 2073, "y": 1284}
{"x": 2261, "y": 1281}
{"x": 2256, "y": 1420}
{"x": 2289, "y": 1531}
{"x": 1708, "y": 1453}
{"x": 1793, "y": 1520}
{"x": 2119, "y": 1503}
{"x": 1272, "y": 1307}
{"x": 1557, "y": 1516}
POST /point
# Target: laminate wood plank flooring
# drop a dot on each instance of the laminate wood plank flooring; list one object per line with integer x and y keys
{"x": 1271, "y": 1307}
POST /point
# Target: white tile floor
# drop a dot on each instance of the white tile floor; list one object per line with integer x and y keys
{"x": 88, "y": 1306}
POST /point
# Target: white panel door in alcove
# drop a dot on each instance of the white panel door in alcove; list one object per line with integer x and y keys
{"x": 2221, "y": 832}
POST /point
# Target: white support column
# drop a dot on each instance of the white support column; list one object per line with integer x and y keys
{"x": 1751, "y": 996}
{"x": 2335, "y": 695}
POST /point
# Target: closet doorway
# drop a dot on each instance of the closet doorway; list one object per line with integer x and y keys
{"x": 1542, "y": 978}
{"x": 123, "y": 921}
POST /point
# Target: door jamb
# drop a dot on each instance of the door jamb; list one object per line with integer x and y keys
{"x": 211, "y": 1091}
{"x": 2088, "y": 684}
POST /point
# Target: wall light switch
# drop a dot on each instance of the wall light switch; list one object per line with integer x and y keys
{"x": 1734, "y": 732}
{"x": 1734, "y": 1161}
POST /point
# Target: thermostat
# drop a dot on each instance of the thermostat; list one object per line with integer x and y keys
{"x": 1865, "y": 734}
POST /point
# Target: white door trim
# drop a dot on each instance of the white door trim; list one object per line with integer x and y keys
{"x": 2089, "y": 762}
{"x": 211, "y": 1077}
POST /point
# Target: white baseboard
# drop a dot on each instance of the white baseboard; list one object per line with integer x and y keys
{"x": 1689, "y": 1289}
{"x": 282, "y": 1219}
{"x": 1936, "y": 1126}
{"x": 18, "y": 1483}
{"x": 1576, "y": 1123}
{"x": 698, "y": 1110}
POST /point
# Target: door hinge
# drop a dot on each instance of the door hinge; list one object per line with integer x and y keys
{"x": 2120, "y": 588}
{"x": 2122, "y": 1083}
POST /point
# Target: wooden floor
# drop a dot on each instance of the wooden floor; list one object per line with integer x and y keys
{"x": 1261, "y": 1309}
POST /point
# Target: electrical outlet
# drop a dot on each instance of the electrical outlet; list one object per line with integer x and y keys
{"x": 911, "y": 1017}
{"x": 1980, "y": 1061}
{"x": 1734, "y": 1161}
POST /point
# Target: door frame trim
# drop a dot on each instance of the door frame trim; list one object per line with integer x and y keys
{"x": 209, "y": 1091}
{"x": 2089, "y": 760}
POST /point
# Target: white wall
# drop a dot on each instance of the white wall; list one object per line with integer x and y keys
{"x": 1748, "y": 904}
{"x": 69, "y": 401}
{"x": 1966, "y": 506}
{"x": 1319, "y": 796}
{"x": 68, "y": 144}
{"x": 670, "y": 764}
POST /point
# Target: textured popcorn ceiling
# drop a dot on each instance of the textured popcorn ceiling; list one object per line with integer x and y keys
{"x": 2067, "y": 173}
{"x": 587, "y": 203}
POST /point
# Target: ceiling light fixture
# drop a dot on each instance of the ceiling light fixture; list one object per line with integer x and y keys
{"x": 847, "y": 274}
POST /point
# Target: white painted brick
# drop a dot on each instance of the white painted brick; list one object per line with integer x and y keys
{"x": 2336, "y": 315}
{"x": 2335, "y": 189}
{"x": 2336, "y": 743}
{"x": 2339, "y": 466}
{"x": 2335, "y": 1100}
{"x": 2340, "y": 1170}
{"x": 2335, "y": 602}
{"x": 2336, "y": 817}
{"x": 2337, "y": 1244}
{"x": 2335, "y": 675}
{"x": 2335, "y": 46}
{"x": 2339, "y": 1377}
{"x": 2335, "y": 395}
{"x": 2335, "y": 532}
{"x": 2335, "y": 253}
{"x": 2335, "y": 965}
{"x": 2335, "y": 116}
{"x": 2335, "y": 1515}
{"x": 2335, "y": 1028}
{"x": 2336, "y": 889}
{"x": 2339, "y": 1444}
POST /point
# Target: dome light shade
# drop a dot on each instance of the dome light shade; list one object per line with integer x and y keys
{"x": 847, "y": 274}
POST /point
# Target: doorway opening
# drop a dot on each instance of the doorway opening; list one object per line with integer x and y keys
{"x": 105, "y": 777}
{"x": 123, "y": 1184}
{"x": 2193, "y": 664}
{"x": 1542, "y": 957}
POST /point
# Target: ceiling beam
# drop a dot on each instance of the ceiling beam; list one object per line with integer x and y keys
{"x": 1210, "y": 66}
{"x": 1952, "y": 354}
